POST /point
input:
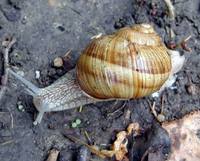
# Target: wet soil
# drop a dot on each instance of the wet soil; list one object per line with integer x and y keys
{"x": 45, "y": 29}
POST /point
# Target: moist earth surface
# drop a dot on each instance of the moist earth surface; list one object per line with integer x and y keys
{"x": 46, "y": 29}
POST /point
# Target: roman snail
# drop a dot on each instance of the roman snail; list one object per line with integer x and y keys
{"x": 131, "y": 63}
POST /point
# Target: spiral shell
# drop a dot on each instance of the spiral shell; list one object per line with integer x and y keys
{"x": 131, "y": 63}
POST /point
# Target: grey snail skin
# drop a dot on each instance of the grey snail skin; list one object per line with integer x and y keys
{"x": 133, "y": 60}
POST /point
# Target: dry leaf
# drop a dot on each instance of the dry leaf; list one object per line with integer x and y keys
{"x": 184, "y": 139}
{"x": 101, "y": 153}
{"x": 119, "y": 147}
{"x": 133, "y": 127}
{"x": 120, "y": 144}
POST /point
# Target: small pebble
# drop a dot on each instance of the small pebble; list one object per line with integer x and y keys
{"x": 37, "y": 74}
{"x": 96, "y": 36}
{"x": 191, "y": 89}
{"x": 155, "y": 94}
{"x": 21, "y": 73}
{"x": 24, "y": 20}
{"x": 161, "y": 117}
{"x": 20, "y": 107}
{"x": 61, "y": 28}
{"x": 173, "y": 87}
{"x": 58, "y": 62}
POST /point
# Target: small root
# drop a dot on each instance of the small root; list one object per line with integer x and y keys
{"x": 7, "y": 43}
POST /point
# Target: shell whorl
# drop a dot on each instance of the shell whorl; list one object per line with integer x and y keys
{"x": 131, "y": 63}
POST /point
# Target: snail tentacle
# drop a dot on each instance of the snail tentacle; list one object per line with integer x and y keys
{"x": 29, "y": 87}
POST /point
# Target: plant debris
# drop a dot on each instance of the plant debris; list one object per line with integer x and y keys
{"x": 160, "y": 117}
{"x": 119, "y": 147}
{"x": 67, "y": 56}
{"x": 53, "y": 155}
{"x": 183, "y": 44}
{"x": 184, "y": 139}
{"x": 58, "y": 62}
{"x": 20, "y": 106}
{"x": 191, "y": 89}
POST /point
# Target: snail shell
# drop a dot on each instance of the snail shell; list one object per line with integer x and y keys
{"x": 131, "y": 63}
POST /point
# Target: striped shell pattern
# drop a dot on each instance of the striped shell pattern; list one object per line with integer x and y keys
{"x": 131, "y": 63}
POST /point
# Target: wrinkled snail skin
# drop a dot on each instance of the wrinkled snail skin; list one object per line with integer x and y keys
{"x": 63, "y": 94}
{"x": 131, "y": 63}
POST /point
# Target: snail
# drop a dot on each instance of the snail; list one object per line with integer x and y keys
{"x": 131, "y": 63}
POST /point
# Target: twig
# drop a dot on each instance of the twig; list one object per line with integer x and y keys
{"x": 159, "y": 117}
{"x": 88, "y": 137}
{"x": 171, "y": 9}
{"x": 53, "y": 155}
{"x": 7, "y": 142}
{"x": 7, "y": 43}
{"x": 80, "y": 109}
{"x": 119, "y": 109}
{"x": 162, "y": 104}
{"x": 12, "y": 120}
{"x": 152, "y": 107}
{"x": 67, "y": 55}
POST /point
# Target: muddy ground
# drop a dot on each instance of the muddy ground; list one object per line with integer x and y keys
{"x": 45, "y": 29}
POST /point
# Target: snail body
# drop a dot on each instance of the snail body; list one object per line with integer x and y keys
{"x": 131, "y": 63}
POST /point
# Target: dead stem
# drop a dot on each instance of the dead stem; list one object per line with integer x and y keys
{"x": 7, "y": 43}
{"x": 170, "y": 9}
